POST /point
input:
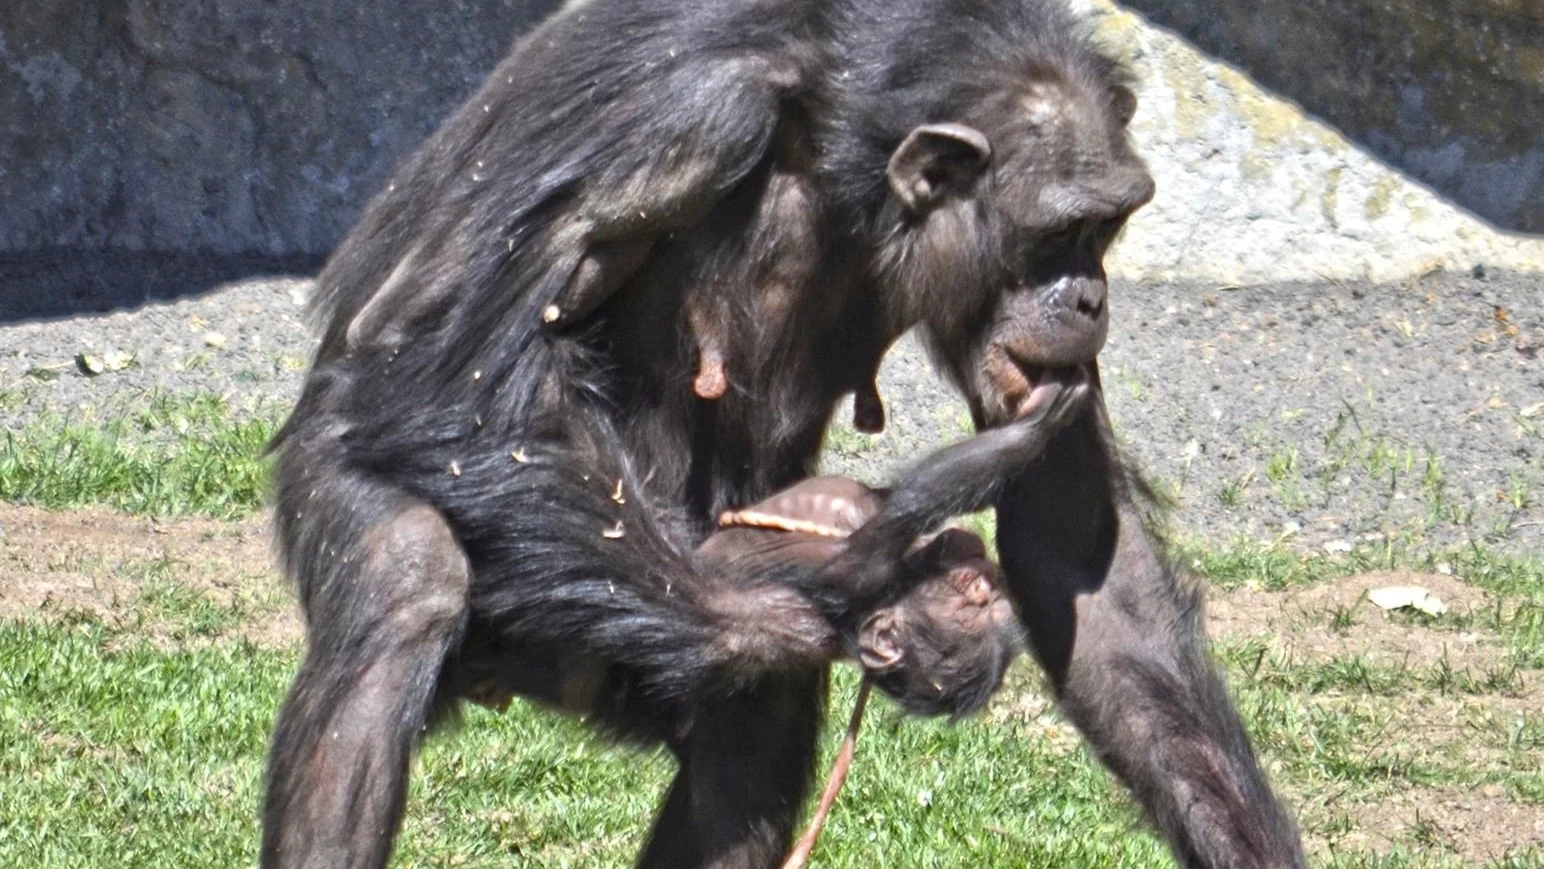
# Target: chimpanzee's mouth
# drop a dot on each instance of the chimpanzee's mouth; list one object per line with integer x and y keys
{"x": 1044, "y": 385}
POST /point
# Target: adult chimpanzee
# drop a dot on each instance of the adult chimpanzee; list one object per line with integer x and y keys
{"x": 499, "y": 435}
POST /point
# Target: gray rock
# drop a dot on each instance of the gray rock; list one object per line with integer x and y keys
{"x": 1452, "y": 91}
{"x": 223, "y": 126}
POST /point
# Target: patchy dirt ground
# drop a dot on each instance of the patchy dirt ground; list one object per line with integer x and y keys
{"x": 1337, "y": 620}
{"x": 116, "y": 567}
{"x": 154, "y": 576}
{"x": 1436, "y": 715}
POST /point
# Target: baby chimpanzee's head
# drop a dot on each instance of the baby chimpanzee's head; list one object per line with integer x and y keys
{"x": 944, "y": 647}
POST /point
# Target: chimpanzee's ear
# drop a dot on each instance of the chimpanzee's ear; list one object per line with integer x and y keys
{"x": 934, "y": 161}
{"x": 879, "y": 642}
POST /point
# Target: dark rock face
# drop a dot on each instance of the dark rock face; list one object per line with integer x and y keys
{"x": 261, "y": 127}
{"x": 224, "y": 126}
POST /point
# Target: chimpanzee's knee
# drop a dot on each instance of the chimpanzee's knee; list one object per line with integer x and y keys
{"x": 414, "y": 564}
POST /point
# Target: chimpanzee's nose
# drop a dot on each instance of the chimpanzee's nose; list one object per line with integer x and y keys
{"x": 1091, "y": 294}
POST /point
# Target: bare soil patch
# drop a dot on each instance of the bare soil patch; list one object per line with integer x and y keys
{"x": 1477, "y": 826}
{"x": 1335, "y": 619}
{"x": 106, "y": 565}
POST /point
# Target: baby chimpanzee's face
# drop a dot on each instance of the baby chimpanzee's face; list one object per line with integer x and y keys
{"x": 944, "y": 648}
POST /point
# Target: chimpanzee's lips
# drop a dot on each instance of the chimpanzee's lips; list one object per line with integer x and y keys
{"x": 1044, "y": 384}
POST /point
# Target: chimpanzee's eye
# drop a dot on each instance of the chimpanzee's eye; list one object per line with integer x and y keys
{"x": 1062, "y": 238}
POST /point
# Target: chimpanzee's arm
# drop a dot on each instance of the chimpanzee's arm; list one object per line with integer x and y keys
{"x": 696, "y": 150}
{"x": 961, "y": 478}
{"x": 1118, "y": 630}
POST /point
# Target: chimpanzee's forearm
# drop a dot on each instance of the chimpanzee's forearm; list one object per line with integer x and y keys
{"x": 963, "y": 477}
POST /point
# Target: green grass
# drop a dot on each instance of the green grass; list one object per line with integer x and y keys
{"x": 1354, "y": 673}
{"x": 125, "y": 751}
{"x": 166, "y": 456}
{"x": 117, "y": 752}
{"x": 167, "y": 607}
{"x": 137, "y": 738}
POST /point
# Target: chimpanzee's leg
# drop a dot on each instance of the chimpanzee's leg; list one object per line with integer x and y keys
{"x": 384, "y": 585}
{"x": 1118, "y": 630}
{"x": 747, "y": 763}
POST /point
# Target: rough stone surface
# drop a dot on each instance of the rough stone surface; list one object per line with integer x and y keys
{"x": 223, "y": 126}
{"x": 1253, "y": 188}
{"x": 235, "y": 128}
{"x": 1451, "y": 91}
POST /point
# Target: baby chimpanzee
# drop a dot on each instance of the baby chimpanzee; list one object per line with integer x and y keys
{"x": 942, "y": 648}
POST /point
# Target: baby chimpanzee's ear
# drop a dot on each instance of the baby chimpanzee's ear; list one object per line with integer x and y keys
{"x": 879, "y": 642}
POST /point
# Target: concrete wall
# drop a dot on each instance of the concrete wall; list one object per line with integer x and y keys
{"x": 1450, "y": 91}
{"x": 197, "y": 127}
